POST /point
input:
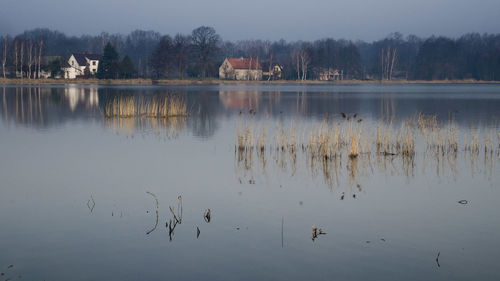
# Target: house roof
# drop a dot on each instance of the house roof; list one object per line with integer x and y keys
{"x": 266, "y": 65}
{"x": 244, "y": 63}
{"x": 80, "y": 58}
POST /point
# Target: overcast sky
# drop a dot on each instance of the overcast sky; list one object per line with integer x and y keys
{"x": 256, "y": 19}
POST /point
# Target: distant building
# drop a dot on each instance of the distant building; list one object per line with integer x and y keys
{"x": 272, "y": 71}
{"x": 240, "y": 69}
{"x": 81, "y": 65}
{"x": 329, "y": 74}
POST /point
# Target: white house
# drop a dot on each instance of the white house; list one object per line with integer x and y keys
{"x": 78, "y": 63}
{"x": 240, "y": 69}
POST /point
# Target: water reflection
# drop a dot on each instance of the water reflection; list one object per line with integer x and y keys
{"x": 87, "y": 97}
{"x": 50, "y": 106}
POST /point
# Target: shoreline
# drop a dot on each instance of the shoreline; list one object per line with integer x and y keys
{"x": 17, "y": 81}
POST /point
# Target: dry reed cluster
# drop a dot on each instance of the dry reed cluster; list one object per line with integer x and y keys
{"x": 155, "y": 107}
{"x": 349, "y": 137}
{"x": 328, "y": 146}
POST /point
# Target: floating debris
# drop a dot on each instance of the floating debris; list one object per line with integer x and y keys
{"x": 382, "y": 239}
{"x": 197, "y": 232}
{"x": 437, "y": 259}
{"x": 463, "y": 202}
{"x": 10, "y": 266}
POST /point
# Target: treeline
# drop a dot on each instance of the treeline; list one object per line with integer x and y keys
{"x": 199, "y": 54}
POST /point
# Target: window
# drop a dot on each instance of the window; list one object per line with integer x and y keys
{"x": 93, "y": 63}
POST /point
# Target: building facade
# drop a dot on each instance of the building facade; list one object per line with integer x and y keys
{"x": 240, "y": 69}
{"x": 81, "y": 65}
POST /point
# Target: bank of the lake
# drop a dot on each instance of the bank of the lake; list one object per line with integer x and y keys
{"x": 215, "y": 81}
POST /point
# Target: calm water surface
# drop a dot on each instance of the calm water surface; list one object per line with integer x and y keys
{"x": 78, "y": 190}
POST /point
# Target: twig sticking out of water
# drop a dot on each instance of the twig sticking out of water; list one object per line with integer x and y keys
{"x": 173, "y": 213}
{"x": 171, "y": 228}
{"x": 463, "y": 202}
{"x": 91, "y": 204}
{"x": 316, "y": 232}
{"x": 179, "y": 208}
{"x": 282, "y": 222}
{"x": 207, "y": 215}
{"x": 437, "y": 259}
{"x": 197, "y": 232}
{"x": 156, "y": 223}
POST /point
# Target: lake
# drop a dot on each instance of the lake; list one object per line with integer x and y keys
{"x": 256, "y": 182}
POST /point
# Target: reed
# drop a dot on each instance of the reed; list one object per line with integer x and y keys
{"x": 325, "y": 144}
{"x": 354, "y": 145}
{"x": 327, "y": 140}
{"x": 163, "y": 106}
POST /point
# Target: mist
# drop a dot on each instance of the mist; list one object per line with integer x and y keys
{"x": 258, "y": 19}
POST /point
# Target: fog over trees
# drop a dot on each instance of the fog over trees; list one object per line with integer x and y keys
{"x": 150, "y": 54}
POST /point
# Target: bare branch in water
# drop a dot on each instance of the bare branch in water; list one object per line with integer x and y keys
{"x": 173, "y": 213}
{"x": 156, "y": 223}
{"x": 207, "y": 215}
{"x": 179, "y": 208}
{"x": 171, "y": 228}
{"x": 91, "y": 204}
{"x": 282, "y": 222}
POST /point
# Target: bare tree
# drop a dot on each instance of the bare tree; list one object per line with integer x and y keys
{"x": 296, "y": 62}
{"x": 40, "y": 46}
{"x": 22, "y": 57}
{"x": 181, "y": 53}
{"x": 388, "y": 60}
{"x": 305, "y": 59}
{"x": 30, "y": 57}
{"x": 271, "y": 69}
{"x": 4, "y": 57}
{"x": 15, "y": 57}
{"x": 205, "y": 42}
{"x": 393, "y": 61}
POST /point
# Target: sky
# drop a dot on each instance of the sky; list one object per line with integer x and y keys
{"x": 234, "y": 20}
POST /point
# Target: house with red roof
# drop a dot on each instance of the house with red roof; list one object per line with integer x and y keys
{"x": 240, "y": 69}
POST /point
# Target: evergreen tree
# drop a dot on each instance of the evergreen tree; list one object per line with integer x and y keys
{"x": 55, "y": 68}
{"x": 127, "y": 68}
{"x": 109, "y": 66}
